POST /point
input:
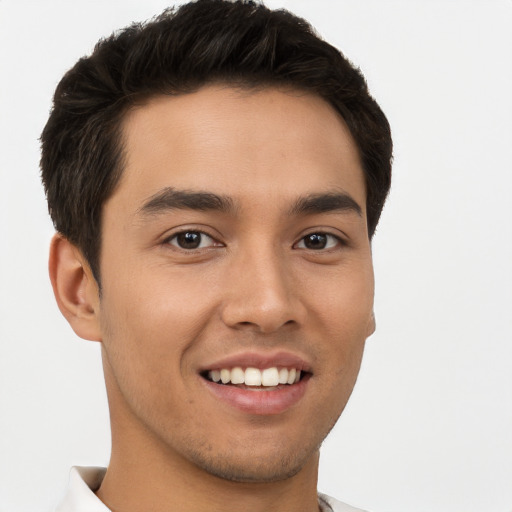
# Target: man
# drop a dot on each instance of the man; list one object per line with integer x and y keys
{"x": 215, "y": 178}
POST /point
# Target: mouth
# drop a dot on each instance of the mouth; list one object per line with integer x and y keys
{"x": 251, "y": 378}
{"x": 256, "y": 384}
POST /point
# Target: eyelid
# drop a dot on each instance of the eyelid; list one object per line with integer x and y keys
{"x": 340, "y": 241}
{"x": 178, "y": 231}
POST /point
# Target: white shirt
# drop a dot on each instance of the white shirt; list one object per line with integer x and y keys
{"x": 84, "y": 481}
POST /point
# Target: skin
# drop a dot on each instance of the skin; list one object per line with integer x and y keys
{"x": 165, "y": 312}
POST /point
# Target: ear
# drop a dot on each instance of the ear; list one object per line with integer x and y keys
{"x": 75, "y": 288}
{"x": 371, "y": 325}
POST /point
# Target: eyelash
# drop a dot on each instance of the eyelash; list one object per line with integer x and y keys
{"x": 334, "y": 241}
{"x": 202, "y": 235}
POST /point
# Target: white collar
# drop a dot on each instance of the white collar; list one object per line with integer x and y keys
{"x": 80, "y": 497}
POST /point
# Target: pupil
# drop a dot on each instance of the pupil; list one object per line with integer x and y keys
{"x": 315, "y": 241}
{"x": 189, "y": 240}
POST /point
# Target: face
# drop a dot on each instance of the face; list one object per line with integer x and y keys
{"x": 235, "y": 247}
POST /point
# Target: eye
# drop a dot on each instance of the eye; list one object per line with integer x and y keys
{"x": 190, "y": 240}
{"x": 318, "y": 241}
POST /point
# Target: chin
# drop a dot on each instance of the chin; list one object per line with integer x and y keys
{"x": 253, "y": 471}
{"x": 250, "y": 467}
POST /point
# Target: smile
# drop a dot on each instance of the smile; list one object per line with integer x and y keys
{"x": 256, "y": 382}
{"x": 254, "y": 377}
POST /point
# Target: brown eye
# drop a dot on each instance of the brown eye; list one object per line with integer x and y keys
{"x": 318, "y": 241}
{"x": 190, "y": 240}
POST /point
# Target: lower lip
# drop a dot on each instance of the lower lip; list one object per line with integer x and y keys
{"x": 259, "y": 401}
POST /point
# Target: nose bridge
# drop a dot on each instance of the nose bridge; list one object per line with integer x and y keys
{"x": 261, "y": 290}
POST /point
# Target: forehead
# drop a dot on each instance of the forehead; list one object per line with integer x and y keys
{"x": 241, "y": 143}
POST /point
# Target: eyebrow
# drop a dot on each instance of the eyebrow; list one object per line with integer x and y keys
{"x": 325, "y": 203}
{"x": 172, "y": 199}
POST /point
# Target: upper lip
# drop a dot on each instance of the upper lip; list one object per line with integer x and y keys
{"x": 260, "y": 360}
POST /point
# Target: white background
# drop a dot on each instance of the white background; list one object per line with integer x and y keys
{"x": 429, "y": 427}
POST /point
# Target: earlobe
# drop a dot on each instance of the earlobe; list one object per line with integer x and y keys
{"x": 371, "y": 325}
{"x": 75, "y": 288}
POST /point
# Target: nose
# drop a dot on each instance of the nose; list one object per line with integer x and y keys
{"x": 262, "y": 295}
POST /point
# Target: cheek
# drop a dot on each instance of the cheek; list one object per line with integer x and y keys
{"x": 343, "y": 301}
{"x": 156, "y": 303}
{"x": 344, "y": 316}
{"x": 148, "y": 324}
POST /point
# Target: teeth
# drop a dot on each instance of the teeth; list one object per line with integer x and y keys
{"x": 252, "y": 377}
{"x": 269, "y": 377}
{"x": 237, "y": 376}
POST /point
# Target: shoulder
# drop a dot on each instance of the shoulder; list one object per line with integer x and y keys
{"x": 330, "y": 504}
